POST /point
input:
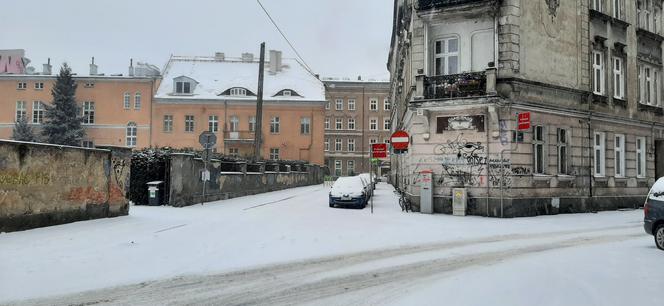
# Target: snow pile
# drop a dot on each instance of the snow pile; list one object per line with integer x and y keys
{"x": 657, "y": 190}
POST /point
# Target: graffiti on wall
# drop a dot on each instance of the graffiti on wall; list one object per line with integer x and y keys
{"x": 462, "y": 161}
{"x": 17, "y": 178}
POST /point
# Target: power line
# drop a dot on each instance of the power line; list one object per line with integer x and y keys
{"x": 306, "y": 66}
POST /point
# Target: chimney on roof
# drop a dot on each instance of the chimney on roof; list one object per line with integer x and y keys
{"x": 247, "y": 57}
{"x": 131, "y": 67}
{"x": 359, "y": 78}
{"x": 47, "y": 67}
{"x": 275, "y": 61}
{"x": 219, "y": 56}
{"x": 93, "y": 67}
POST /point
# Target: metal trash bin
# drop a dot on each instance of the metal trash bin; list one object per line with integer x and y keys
{"x": 155, "y": 193}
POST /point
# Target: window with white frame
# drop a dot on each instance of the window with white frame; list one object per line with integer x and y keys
{"x": 338, "y": 145}
{"x": 39, "y": 85}
{"x": 619, "y": 155}
{"x": 235, "y": 124}
{"x": 598, "y": 73}
{"x": 89, "y": 85}
{"x": 88, "y": 144}
{"x": 21, "y": 111}
{"x": 373, "y": 104}
{"x": 238, "y": 92}
{"x": 327, "y": 144}
{"x": 649, "y": 83}
{"x": 351, "y": 104}
{"x": 351, "y": 145}
{"x": 351, "y": 124}
{"x": 213, "y": 123}
{"x": 327, "y": 105}
{"x": 132, "y": 135}
{"x": 618, "y": 79}
{"x": 599, "y": 146}
{"x": 618, "y": 9}
{"x": 182, "y": 87}
{"x": 538, "y": 149}
{"x": 386, "y": 140}
{"x": 446, "y": 56}
{"x": 234, "y": 152}
{"x": 305, "y": 126}
{"x": 327, "y": 123}
{"x": 37, "y": 112}
{"x": 189, "y": 123}
{"x": 339, "y": 124}
{"x": 598, "y": 5}
{"x": 127, "y": 100}
{"x": 562, "y": 150}
{"x": 88, "y": 112}
{"x": 339, "y": 104}
{"x": 274, "y": 153}
{"x": 137, "y": 100}
{"x": 337, "y": 168}
{"x": 287, "y": 93}
{"x": 22, "y": 85}
{"x": 275, "y": 125}
{"x": 373, "y": 124}
{"x": 168, "y": 123}
{"x": 373, "y": 140}
{"x": 386, "y": 124}
{"x": 252, "y": 123}
{"x": 350, "y": 167}
{"x": 647, "y": 72}
{"x": 387, "y": 105}
{"x": 640, "y": 157}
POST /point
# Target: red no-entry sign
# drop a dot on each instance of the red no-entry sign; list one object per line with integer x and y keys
{"x": 379, "y": 150}
{"x": 524, "y": 121}
{"x": 400, "y": 140}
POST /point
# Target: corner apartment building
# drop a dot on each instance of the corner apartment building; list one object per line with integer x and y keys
{"x": 219, "y": 94}
{"x": 588, "y": 72}
{"x": 357, "y": 114}
{"x": 116, "y": 108}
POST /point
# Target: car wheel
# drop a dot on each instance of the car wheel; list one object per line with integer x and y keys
{"x": 659, "y": 237}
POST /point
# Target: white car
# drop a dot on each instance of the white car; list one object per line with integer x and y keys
{"x": 348, "y": 191}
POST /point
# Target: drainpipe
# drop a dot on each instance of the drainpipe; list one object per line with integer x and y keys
{"x": 488, "y": 150}
{"x": 590, "y": 161}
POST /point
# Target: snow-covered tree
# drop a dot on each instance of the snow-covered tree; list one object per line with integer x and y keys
{"x": 63, "y": 118}
{"x": 23, "y": 131}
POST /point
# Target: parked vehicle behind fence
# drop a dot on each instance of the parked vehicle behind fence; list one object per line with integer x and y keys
{"x": 653, "y": 211}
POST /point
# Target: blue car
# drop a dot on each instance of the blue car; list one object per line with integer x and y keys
{"x": 348, "y": 192}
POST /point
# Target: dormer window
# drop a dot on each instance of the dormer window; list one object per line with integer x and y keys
{"x": 287, "y": 93}
{"x": 184, "y": 85}
{"x": 238, "y": 91}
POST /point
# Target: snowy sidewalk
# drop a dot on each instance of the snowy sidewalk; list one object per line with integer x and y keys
{"x": 155, "y": 243}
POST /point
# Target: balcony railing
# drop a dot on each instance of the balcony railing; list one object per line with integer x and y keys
{"x": 432, "y": 4}
{"x": 239, "y": 136}
{"x": 455, "y": 85}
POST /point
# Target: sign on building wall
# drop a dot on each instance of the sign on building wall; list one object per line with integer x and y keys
{"x": 458, "y": 123}
{"x": 524, "y": 121}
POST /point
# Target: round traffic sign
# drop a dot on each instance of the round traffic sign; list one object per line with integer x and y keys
{"x": 400, "y": 140}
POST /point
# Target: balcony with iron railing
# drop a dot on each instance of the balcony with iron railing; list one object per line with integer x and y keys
{"x": 239, "y": 136}
{"x": 436, "y": 4}
{"x": 463, "y": 85}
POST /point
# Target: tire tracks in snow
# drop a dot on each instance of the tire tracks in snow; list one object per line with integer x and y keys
{"x": 296, "y": 282}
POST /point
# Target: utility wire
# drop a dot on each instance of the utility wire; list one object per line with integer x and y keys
{"x": 306, "y": 66}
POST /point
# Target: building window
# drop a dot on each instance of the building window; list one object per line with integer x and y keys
{"x": 252, "y": 123}
{"x": 619, "y": 155}
{"x": 350, "y": 167}
{"x": 39, "y": 85}
{"x": 598, "y": 73}
{"x": 386, "y": 124}
{"x": 339, "y": 124}
{"x": 373, "y": 124}
{"x": 22, "y": 85}
{"x": 132, "y": 133}
{"x": 89, "y": 85}
{"x": 274, "y": 125}
{"x": 287, "y": 93}
{"x": 327, "y": 123}
{"x": 386, "y": 140}
{"x": 446, "y": 56}
{"x": 238, "y": 92}
{"x": 351, "y": 124}
{"x": 373, "y": 104}
{"x": 648, "y": 85}
{"x": 137, "y": 100}
{"x": 21, "y": 111}
{"x": 127, "y": 100}
{"x": 619, "y": 81}
{"x": 182, "y": 87}
{"x": 189, "y": 123}
{"x": 37, "y": 112}
{"x": 235, "y": 124}
{"x": 274, "y": 153}
{"x": 598, "y": 5}
{"x": 562, "y": 151}
{"x": 617, "y": 9}
{"x": 351, "y": 104}
{"x": 337, "y": 168}
{"x": 327, "y": 105}
{"x": 88, "y": 112}
{"x": 373, "y": 140}
{"x": 168, "y": 123}
{"x": 387, "y": 105}
{"x": 235, "y": 152}
{"x": 338, "y": 145}
{"x": 640, "y": 157}
{"x": 88, "y": 144}
{"x": 327, "y": 144}
{"x": 339, "y": 104}
{"x": 600, "y": 140}
{"x": 351, "y": 145}
{"x": 538, "y": 149}
{"x": 213, "y": 123}
{"x": 305, "y": 126}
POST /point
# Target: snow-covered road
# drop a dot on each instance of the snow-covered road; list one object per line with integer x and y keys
{"x": 290, "y": 247}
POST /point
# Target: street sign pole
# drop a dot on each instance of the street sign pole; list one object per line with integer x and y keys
{"x": 207, "y": 140}
{"x": 371, "y": 176}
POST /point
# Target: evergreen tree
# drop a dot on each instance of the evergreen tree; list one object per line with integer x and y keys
{"x": 63, "y": 119}
{"x": 23, "y": 131}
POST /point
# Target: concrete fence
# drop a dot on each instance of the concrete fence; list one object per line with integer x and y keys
{"x": 186, "y": 185}
{"x": 42, "y": 185}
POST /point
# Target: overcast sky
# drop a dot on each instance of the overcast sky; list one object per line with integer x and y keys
{"x": 338, "y": 38}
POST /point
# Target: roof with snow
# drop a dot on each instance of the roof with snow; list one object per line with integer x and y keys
{"x": 213, "y": 79}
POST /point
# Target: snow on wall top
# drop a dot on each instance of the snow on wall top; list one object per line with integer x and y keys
{"x": 213, "y": 77}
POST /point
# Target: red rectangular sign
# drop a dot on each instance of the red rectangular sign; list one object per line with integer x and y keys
{"x": 379, "y": 150}
{"x": 524, "y": 121}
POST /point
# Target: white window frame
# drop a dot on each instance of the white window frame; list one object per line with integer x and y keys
{"x": 373, "y": 104}
{"x": 562, "y": 138}
{"x": 127, "y": 100}
{"x": 350, "y": 167}
{"x": 327, "y": 105}
{"x": 38, "y": 112}
{"x": 598, "y": 73}
{"x": 327, "y": 144}
{"x": 386, "y": 124}
{"x": 183, "y": 87}
{"x": 618, "y": 78}
{"x": 168, "y": 124}
{"x": 88, "y": 144}
{"x": 22, "y": 86}
{"x": 39, "y": 85}
{"x": 287, "y": 93}
{"x": 618, "y": 9}
{"x": 189, "y": 123}
{"x": 252, "y": 123}
{"x": 598, "y": 5}
{"x": 373, "y": 124}
{"x": 234, "y": 125}
{"x": 305, "y": 125}
{"x": 338, "y": 145}
{"x": 647, "y": 72}
{"x": 238, "y": 92}
{"x": 275, "y": 125}
{"x": 640, "y": 157}
{"x": 339, "y": 104}
{"x": 445, "y": 55}
{"x": 213, "y": 123}
{"x": 351, "y": 104}
{"x": 21, "y": 111}
{"x": 350, "y": 144}
{"x": 539, "y": 145}
{"x": 338, "y": 123}
{"x": 373, "y": 141}
{"x": 351, "y": 124}
{"x": 274, "y": 153}
{"x": 327, "y": 123}
{"x": 387, "y": 106}
{"x": 131, "y": 135}
{"x": 137, "y": 101}
{"x": 88, "y": 112}
{"x": 234, "y": 152}
{"x": 619, "y": 155}
{"x": 599, "y": 153}
{"x": 338, "y": 168}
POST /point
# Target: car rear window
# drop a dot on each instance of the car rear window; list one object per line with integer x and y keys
{"x": 657, "y": 190}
